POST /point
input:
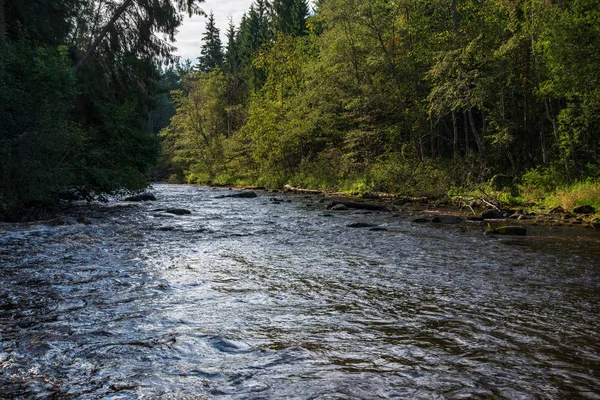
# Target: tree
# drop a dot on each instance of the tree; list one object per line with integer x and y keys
{"x": 133, "y": 27}
{"x": 212, "y": 51}
{"x": 253, "y": 34}
{"x": 194, "y": 139}
{"x": 289, "y": 16}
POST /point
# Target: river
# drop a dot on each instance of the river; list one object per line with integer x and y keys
{"x": 262, "y": 299}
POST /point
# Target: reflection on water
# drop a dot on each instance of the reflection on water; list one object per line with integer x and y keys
{"x": 260, "y": 299}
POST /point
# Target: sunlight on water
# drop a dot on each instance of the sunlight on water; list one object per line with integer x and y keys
{"x": 250, "y": 298}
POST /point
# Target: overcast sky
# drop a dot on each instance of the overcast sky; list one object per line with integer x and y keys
{"x": 189, "y": 38}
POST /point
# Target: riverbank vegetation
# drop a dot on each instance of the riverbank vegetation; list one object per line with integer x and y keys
{"x": 77, "y": 81}
{"x": 407, "y": 97}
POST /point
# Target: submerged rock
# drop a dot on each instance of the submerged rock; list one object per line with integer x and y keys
{"x": 361, "y": 225}
{"x": 178, "y": 211}
{"x": 509, "y": 230}
{"x": 141, "y": 197}
{"x": 241, "y": 195}
{"x": 446, "y": 219}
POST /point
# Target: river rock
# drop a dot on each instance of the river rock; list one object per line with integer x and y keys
{"x": 141, "y": 197}
{"x": 585, "y": 209}
{"x": 378, "y": 229}
{"x": 178, "y": 211}
{"x": 509, "y": 230}
{"x": 361, "y": 225}
{"x": 446, "y": 219}
{"x": 243, "y": 195}
{"x": 492, "y": 214}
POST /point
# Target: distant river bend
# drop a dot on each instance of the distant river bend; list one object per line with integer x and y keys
{"x": 262, "y": 299}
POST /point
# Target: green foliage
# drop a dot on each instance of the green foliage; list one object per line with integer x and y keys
{"x": 212, "y": 52}
{"x": 76, "y": 120}
{"x": 414, "y": 97}
{"x": 40, "y": 147}
{"x": 195, "y": 138}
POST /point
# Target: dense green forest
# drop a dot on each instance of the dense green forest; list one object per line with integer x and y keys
{"x": 411, "y": 97}
{"x": 78, "y": 79}
{"x": 423, "y": 98}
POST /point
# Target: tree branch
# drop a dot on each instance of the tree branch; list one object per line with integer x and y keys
{"x": 102, "y": 34}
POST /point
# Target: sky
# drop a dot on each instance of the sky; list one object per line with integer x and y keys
{"x": 189, "y": 38}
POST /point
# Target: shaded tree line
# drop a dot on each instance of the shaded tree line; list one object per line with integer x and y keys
{"x": 400, "y": 96}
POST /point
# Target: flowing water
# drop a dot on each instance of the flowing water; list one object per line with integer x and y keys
{"x": 262, "y": 299}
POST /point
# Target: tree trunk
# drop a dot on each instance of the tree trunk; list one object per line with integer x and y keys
{"x": 102, "y": 33}
{"x": 455, "y": 137}
{"x": 475, "y": 133}
{"x": 466, "y": 133}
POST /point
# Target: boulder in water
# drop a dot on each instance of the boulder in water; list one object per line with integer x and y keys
{"x": 178, "y": 211}
{"x": 509, "y": 230}
{"x": 141, "y": 197}
{"x": 446, "y": 219}
{"x": 361, "y": 225}
{"x": 241, "y": 195}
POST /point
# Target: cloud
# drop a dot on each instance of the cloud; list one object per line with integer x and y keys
{"x": 189, "y": 38}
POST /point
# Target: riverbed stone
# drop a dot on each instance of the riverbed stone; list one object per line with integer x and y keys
{"x": 584, "y": 209}
{"x": 492, "y": 214}
{"x": 361, "y": 225}
{"x": 446, "y": 219}
{"x": 509, "y": 230}
{"x": 178, "y": 211}
{"x": 141, "y": 197}
{"x": 244, "y": 195}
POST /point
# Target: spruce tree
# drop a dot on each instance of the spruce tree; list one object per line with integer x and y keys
{"x": 212, "y": 52}
{"x": 289, "y": 16}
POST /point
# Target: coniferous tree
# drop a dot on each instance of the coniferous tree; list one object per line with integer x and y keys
{"x": 212, "y": 51}
{"x": 253, "y": 34}
{"x": 289, "y": 16}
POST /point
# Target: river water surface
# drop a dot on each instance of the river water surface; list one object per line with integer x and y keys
{"x": 261, "y": 299}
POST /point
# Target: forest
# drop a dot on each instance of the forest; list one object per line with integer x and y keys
{"x": 417, "y": 98}
{"x": 421, "y": 98}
